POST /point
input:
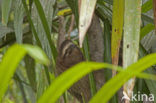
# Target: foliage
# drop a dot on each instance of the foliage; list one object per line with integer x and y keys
{"x": 34, "y": 25}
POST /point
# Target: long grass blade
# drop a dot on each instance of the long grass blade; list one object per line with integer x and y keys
{"x": 91, "y": 76}
{"x": 18, "y": 21}
{"x": 147, "y": 6}
{"x": 146, "y": 30}
{"x": 150, "y": 83}
{"x": 46, "y": 26}
{"x": 72, "y": 75}
{"x": 31, "y": 23}
{"x": 74, "y": 6}
{"x": 113, "y": 85}
{"x": 6, "y": 6}
{"x": 7, "y": 71}
{"x": 132, "y": 22}
{"x": 117, "y": 27}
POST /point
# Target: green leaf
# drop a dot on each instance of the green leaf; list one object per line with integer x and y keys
{"x": 146, "y": 29}
{"x": 150, "y": 83}
{"x": 91, "y": 76}
{"x": 8, "y": 66}
{"x": 72, "y": 75}
{"x": 132, "y": 22}
{"x": 11, "y": 60}
{"x": 6, "y": 5}
{"x": 45, "y": 16}
{"x": 117, "y": 28}
{"x": 106, "y": 1}
{"x": 107, "y": 42}
{"x": 107, "y": 47}
{"x": 42, "y": 15}
{"x": 74, "y": 6}
{"x": 30, "y": 64}
{"x": 147, "y": 18}
{"x": 108, "y": 90}
{"x": 18, "y": 21}
{"x": 104, "y": 12}
{"x": 147, "y": 6}
{"x": 37, "y": 53}
{"x": 107, "y": 54}
{"x": 31, "y": 23}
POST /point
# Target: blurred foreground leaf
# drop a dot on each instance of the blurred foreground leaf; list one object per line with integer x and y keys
{"x": 72, "y": 75}
{"x": 11, "y": 60}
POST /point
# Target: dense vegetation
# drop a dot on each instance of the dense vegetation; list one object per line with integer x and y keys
{"x": 116, "y": 36}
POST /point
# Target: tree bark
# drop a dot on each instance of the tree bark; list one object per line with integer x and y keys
{"x": 154, "y": 10}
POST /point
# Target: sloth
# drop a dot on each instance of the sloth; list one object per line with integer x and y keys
{"x": 70, "y": 54}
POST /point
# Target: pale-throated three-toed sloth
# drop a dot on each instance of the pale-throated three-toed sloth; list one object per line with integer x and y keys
{"x": 68, "y": 55}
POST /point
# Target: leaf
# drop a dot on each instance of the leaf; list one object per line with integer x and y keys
{"x": 117, "y": 26}
{"x": 42, "y": 19}
{"x": 42, "y": 83}
{"x": 107, "y": 42}
{"x": 91, "y": 75}
{"x": 31, "y": 72}
{"x": 146, "y": 30}
{"x": 132, "y": 22}
{"x": 113, "y": 85}
{"x": 107, "y": 47}
{"x": 6, "y": 5}
{"x": 74, "y": 6}
{"x": 18, "y": 20}
{"x": 10, "y": 62}
{"x": 31, "y": 23}
{"x": 147, "y": 19}
{"x": 37, "y": 54}
{"x": 30, "y": 64}
{"x": 72, "y": 75}
{"x": 4, "y": 30}
{"x": 150, "y": 83}
{"x": 7, "y": 71}
{"x": 131, "y": 31}
{"x": 17, "y": 78}
{"x": 106, "y": 1}
{"x": 147, "y": 6}
{"x": 107, "y": 53}
{"x": 104, "y": 12}
{"x": 86, "y": 13}
{"x": 42, "y": 14}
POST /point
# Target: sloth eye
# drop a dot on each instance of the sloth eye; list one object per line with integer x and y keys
{"x": 69, "y": 51}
